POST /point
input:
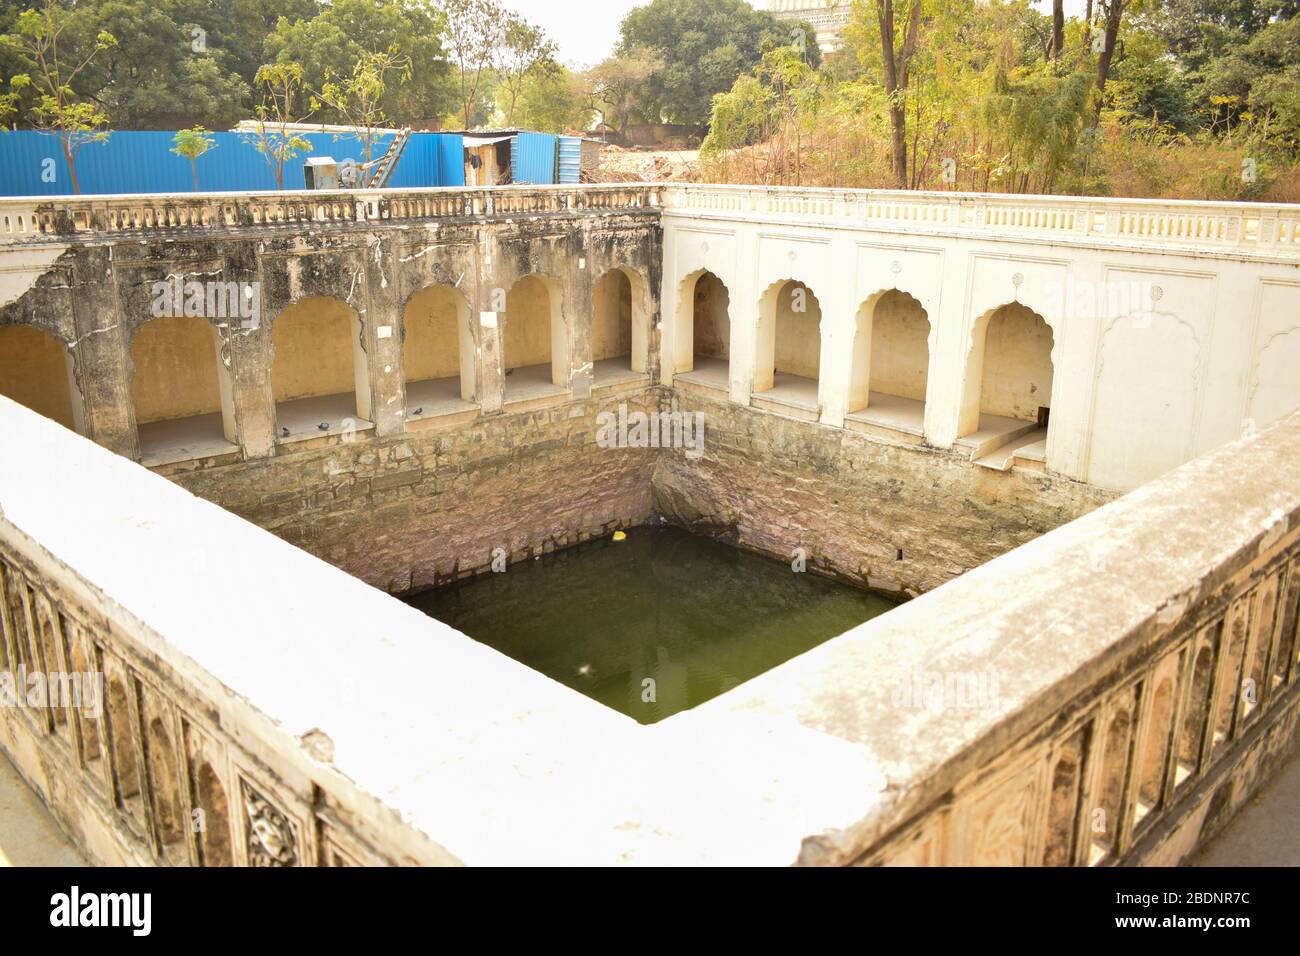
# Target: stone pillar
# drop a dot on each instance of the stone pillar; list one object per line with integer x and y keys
{"x": 744, "y": 315}
{"x": 579, "y": 288}
{"x": 249, "y": 354}
{"x": 101, "y": 353}
{"x": 946, "y": 417}
{"x": 245, "y": 359}
{"x": 490, "y": 302}
{"x": 839, "y": 322}
{"x": 1075, "y": 335}
{"x": 381, "y": 338}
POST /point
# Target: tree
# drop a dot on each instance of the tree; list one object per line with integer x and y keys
{"x": 1113, "y": 13}
{"x": 329, "y": 44}
{"x": 57, "y": 109}
{"x": 525, "y": 53}
{"x": 475, "y": 34}
{"x": 552, "y": 101}
{"x": 613, "y": 83}
{"x": 161, "y": 74}
{"x": 1058, "y": 30}
{"x": 191, "y": 144}
{"x": 771, "y": 107}
{"x": 359, "y": 98}
{"x": 281, "y": 85}
{"x": 897, "y": 60}
{"x": 705, "y": 46}
{"x": 235, "y": 32}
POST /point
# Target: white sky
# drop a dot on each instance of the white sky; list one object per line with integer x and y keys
{"x": 586, "y": 30}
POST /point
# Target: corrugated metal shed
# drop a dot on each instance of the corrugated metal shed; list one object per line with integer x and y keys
{"x": 570, "y": 159}
{"x": 31, "y": 163}
{"x": 533, "y": 158}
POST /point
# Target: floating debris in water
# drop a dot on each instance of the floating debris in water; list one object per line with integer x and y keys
{"x": 620, "y": 535}
{"x": 585, "y": 670}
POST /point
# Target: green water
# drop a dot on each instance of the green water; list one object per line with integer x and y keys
{"x": 693, "y": 615}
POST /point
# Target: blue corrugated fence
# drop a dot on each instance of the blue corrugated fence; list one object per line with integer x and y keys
{"x": 32, "y": 163}
{"x": 532, "y": 160}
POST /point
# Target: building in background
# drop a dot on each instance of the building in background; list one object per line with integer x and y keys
{"x": 827, "y": 17}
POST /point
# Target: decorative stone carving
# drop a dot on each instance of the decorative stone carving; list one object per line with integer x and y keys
{"x": 271, "y": 837}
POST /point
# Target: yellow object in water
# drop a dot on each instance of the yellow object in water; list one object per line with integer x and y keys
{"x": 620, "y": 535}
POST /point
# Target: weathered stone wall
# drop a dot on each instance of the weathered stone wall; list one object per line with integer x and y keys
{"x": 412, "y": 511}
{"x": 96, "y": 292}
{"x": 775, "y": 484}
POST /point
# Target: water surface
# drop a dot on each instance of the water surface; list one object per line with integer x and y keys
{"x": 692, "y": 615}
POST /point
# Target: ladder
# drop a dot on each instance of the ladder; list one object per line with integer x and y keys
{"x": 388, "y": 162}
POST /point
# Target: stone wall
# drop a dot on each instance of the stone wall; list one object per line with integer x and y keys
{"x": 411, "y": 511}
{"x": 775, "y": 484}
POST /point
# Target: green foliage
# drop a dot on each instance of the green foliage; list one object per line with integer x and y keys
{"x": 59, "y": 50}
{"x": 359, "y": 98}
{"x": 552, "y": 101}
{"x": 979, "y": 103}
{"x": 345, "y": 33}
{"x": 526, "y": 58}
{"x": 272, "y": 135}
{"x": 614, "y": 83}
{"x": 191, "y": 144}
{"x": 476, "y": 31}
{"x": 705, "y": 45}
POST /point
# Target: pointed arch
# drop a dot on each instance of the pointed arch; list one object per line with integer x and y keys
{"x": 620, "y": 326}
{"x": 1007, "y": 389}
{"x": 180, "y": 390}
{"x": 787, "y": 344}
{"x": 702, "y": 342}
{"x": 889, "y": 367}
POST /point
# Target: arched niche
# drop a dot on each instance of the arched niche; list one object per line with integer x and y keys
{"x": 180, "y": 390}
{"x": 535, "y": 342}
{"x": 439, "y": 357}
{"x": 37, "y": 371}
{"x": 702, "y": 343}
{"x": 320, "y": 376}
{"x": 787, "y": 349}
{"x": 620, "y": 327}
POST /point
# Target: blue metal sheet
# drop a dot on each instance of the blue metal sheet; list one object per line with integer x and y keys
{"x": 532, "y": 158}
{"x": 31, "y": 163}
{"x": 570, "y": 159}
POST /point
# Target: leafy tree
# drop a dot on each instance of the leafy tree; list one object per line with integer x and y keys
{"x": 900, "y": 29}
{"x": 359, "y": 98}
{"x": 191, "y": 144}
{"x": 476, "y": 31}
{"x": 47, "y": 39}
{"x": 235, "y": 31}
{"x": 526, "y": 54}
{"x": 553, "y": 101}
{"x": 282, "y": 90}
{"x": 613, "y": 83}
{"x": 1260, "y": 82}
{"x": 774, "y": 106}
{"x": 329, "y": 45}
{"x": 705, "y": 45}
{"x": 161, "y": 74}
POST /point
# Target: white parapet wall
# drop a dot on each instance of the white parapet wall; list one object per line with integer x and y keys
{"x": 317, "y": 721}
